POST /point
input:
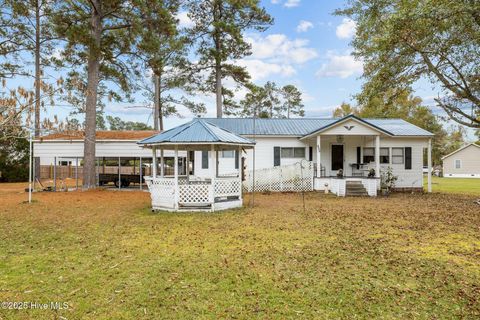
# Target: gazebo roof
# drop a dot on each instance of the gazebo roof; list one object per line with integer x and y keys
{"x": 196, "y": 132}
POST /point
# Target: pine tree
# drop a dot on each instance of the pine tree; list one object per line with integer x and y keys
{"x": 219, "y": 27}
{"x": 101, "y": 37}
{"x": 292, "y": 101}
{"x": 164, "y": 47}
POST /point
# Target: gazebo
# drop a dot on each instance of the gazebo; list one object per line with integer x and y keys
{"x": 190, "y": 192}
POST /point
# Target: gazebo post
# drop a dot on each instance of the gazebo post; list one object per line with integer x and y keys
{"x": 175, "y": 170}
{"x": 216, "y": 164}
{"x": 212, "y": 173}
{"x": 187, "y": 166}
{"x": 154, "y": 162}
{"x": 162, "y": 164}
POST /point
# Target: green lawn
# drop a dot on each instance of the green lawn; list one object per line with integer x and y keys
{"x": 455, "y": 185}
{"x": 106, "y": 255}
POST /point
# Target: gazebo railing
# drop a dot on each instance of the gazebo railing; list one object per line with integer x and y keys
{"x": 162, "y": 192}
{"x": 195, "y": 194}
{"x": 228, "y": 187}
{"x": 191, "y": 192}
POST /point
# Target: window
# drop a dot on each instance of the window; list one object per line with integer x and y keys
{"x": 397, "y": 155}
{"x": 293, "y": 153}
{"x": 384, "y": 155}
{"x": 368, "y": 155}
{"x": 228, "y": 154}
{"x": 204, "y": 159}
{"x": 458, "y": 164}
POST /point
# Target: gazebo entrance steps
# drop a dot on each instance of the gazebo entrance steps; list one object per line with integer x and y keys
{"x": 355, "y": 189}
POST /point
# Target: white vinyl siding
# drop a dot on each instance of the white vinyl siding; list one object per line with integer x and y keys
{"x": 469, "y": 158}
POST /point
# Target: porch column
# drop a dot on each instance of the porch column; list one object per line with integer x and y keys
{"x": 162, "y": 164}
{"x": 429, "y": 174}
{"x": 175, "y": 170}
{"x": 319, "y": 164}
{"x": 154, "y": 162}
{"x": 212, "y": 175}
{"x": 377, "y": 156}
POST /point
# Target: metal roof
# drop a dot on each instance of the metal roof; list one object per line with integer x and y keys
{"x": 302, "y": 126}
{"x": 196, "y": 131}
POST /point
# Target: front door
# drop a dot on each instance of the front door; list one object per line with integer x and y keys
{"x": 337, "y": 157}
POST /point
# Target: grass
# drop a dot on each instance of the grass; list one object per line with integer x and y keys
{"x": 109, "y": 257}
{"x": 455, "y": 185}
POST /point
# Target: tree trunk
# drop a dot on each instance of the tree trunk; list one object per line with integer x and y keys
{"x": 156, "y": 107}
{"x": 218, "y": 88}
{"x": 89, "y": 174}
{"x": 37, "y": 82}
{"x": 217, "y": 12}
{"x": 160, "y": 107}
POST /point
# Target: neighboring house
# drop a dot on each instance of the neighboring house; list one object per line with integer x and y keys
{"x": 463, "y": 163}
{"x": 352, "y": 144}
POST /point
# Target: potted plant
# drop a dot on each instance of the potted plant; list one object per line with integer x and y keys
{"x": 340, "y": 173}
{"x": 371, "y": 173}
{"x": 388, "y": 180}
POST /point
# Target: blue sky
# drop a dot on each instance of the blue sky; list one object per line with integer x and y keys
{"x": 307, "y": 46}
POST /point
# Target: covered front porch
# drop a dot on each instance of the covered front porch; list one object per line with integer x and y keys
{"x": 350, "y": 156}
{"x": 190, "y": 192}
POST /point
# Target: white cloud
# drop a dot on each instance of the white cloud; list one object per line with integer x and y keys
{"x": 346, "y": 29}
{"x": 259, "y": 69}
{"x": 342, "y": 66}
{"x": 304, "y": 25}
{"x": 275, "y": 1}
{"x": 276, "y": 55}
{"x": 184, "y": 20}
{"x": 279, "y": 48}
{"x": 291, "y": 3}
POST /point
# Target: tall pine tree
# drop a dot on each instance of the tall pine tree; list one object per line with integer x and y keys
{"x": 101, "y": 37}
{"x": 219, "y": 27}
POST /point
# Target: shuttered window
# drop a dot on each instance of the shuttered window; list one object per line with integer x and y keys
{"x": 408, "y": 158}
{"x": 204, "y": 159}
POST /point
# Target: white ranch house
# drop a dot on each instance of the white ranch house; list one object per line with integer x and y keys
{"x": 286, "y": 154}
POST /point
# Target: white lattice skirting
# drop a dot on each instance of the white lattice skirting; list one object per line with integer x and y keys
{"x": 296, "y": 177}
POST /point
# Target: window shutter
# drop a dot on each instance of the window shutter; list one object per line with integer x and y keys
{"x": 276, "y": 156}
{"x": 204, "y": 159}
{"x": 408, "y": 158}
{"x": 237, "y": 159}
{"x": 359, "y": 156}
{"x": 310, "y": 153}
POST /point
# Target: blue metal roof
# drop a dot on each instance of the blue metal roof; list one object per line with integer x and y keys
{"x": 302, "y": 126}
{"x": 196, "y": 131}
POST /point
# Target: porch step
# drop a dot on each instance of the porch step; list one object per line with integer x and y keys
{"x": 355, "y": 189}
